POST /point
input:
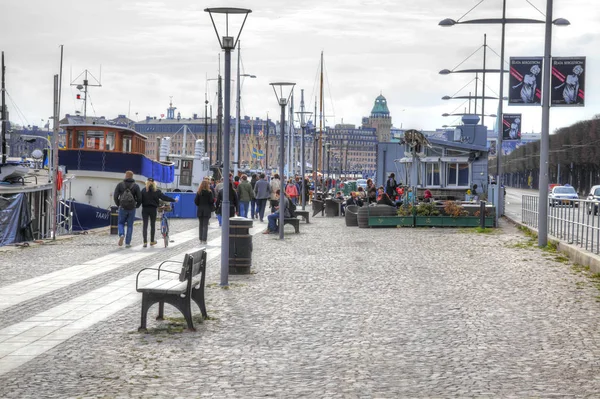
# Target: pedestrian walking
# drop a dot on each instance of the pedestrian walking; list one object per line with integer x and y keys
{"x": 233, "y": 201}
{"x": 292, "y": 190}
{"x": 127, "y": 197}
{"x": 151, "y": 197}
{"x": 253, "y": 208}
{"x": 205, "y": 203}
{"x": 245, "y": 194}
{"x": 262, "y": 190}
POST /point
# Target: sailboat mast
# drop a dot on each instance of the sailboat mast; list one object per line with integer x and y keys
{"x": 4, "y": 121}
{"x": 320, "y": 149}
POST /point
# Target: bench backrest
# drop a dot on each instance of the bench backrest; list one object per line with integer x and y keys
{"x": 193, "y": 264}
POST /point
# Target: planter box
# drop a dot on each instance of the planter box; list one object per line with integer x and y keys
{"x": 391, "y": 221}
{"x": 428, "y": 221}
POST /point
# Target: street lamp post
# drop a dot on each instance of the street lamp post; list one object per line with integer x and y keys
{"x": 237, "y": 151}
{"x": 503, "y": 21}
{"x": 283, "y": 101}
{"x": 227, "y": 44}
{"x": 302, "y": 154}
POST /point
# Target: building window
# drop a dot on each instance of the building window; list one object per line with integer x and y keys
{"x": 458, "y": 174}
{"x": 432, "y": 172}
{"x": 95, "y": 140}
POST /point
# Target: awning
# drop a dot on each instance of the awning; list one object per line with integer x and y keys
{"x": 430, "y": 159}
{"x": 455, "y": 159}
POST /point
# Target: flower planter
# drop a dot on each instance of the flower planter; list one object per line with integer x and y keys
{"x": 428, "y": 221}
{"x": 391, "y": 221}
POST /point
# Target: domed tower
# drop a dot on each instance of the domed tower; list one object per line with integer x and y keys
{"x": 380, "y": 120}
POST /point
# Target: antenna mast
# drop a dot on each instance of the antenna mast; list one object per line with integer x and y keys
{"x": 85, "y": 85}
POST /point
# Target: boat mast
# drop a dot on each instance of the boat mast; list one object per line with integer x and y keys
{"x": 4, "y": 121}
{"x": 320, "y": 149}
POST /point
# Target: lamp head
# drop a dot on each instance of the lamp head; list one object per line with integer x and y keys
{"x": 447, "y": 22}
{"x": 282, "y": 87}
{"x": 561, "y": 22}
{"x": 444, "y": 115}
{"x": 445, "y": 72}
{"x": 228, "y": 42}
{"x": 446, "y": 98}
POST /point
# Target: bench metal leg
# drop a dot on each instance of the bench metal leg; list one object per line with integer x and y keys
{"x": 181, "y": 304}
{"x": 198, "y": 297}
{"x": 297, "y": 227}
{"x": 145, "y": 307}
{"x": 161, "y": 311}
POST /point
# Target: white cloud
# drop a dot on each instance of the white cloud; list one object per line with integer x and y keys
{"x": 151, "y": 50}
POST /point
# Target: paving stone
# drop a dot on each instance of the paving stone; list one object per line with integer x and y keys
{"x": 342, "y": 312}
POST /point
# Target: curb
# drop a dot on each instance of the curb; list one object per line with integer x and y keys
{"x": 574, "y": 253}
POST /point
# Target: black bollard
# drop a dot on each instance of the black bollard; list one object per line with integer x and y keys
{"x": 114, "y": 220}
{"x": 482, "y": 214}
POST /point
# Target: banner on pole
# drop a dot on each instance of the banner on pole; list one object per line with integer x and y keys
{"x": 511, "y": 127}
{"x": 525, "y": 86}
{"x": 568, "y": 81}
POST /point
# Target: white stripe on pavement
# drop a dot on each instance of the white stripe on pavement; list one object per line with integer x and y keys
{"x": 22, "y": 342}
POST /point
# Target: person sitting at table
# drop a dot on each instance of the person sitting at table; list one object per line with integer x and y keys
{"x": 383, "y": 198}
{"x": 354, "y": 199}
{"x": 339, "y": 197}
{"x": 427, "y": 196}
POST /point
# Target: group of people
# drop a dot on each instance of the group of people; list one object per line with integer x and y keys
{"x": 128, "y": 197}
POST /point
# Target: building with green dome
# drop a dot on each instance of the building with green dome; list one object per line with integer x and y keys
{"x": 380, "y": 120}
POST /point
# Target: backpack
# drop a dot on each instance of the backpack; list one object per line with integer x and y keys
{"x": 127, "y": 200}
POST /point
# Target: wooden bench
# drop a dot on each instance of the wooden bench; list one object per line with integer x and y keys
{"x": 294, "y": 222}
{"x": 304, "y": 214}
{"x": 178, "y": 292}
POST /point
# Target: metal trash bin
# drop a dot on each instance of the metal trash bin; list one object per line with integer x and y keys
{"x": 240, "y": 245}
{"x": 114, "y": 220}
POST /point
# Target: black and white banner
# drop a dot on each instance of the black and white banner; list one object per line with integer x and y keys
{"x": 568, "y": 81}
{"x": 525, "y": 81}
{"x": 511, "y": 127}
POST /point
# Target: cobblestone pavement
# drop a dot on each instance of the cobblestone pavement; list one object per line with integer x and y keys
{"x": 343, "y": 312}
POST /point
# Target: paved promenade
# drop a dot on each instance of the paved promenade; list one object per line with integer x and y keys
{"x": 332, "y": 312}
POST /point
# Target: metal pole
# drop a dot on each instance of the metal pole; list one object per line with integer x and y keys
{"x": 225, "y": 206}
{"x": 483, "y": 82}
{"x": 282, "y": 103}
{"x": 206, "y": 123}
{"x": 267, "y": 145}
{"x": 4, "y": 116}
{"x": 303, "y": 161}
{"x": 545, "y": 139}
{"x": 220, "y": 121}
{"x": 211, "y": 137}
{"x": 500, "y": 116}
{"x": 53, "y": 163}
{"x": 236, "y": 161}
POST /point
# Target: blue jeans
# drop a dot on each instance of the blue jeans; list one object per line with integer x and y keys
{"x": 261, "y": 204}
{"x": 244, "y": 205}
{"x": 220, "y": 219}
{"x": 273, "y": 221}
{"x": 126, "y": 216}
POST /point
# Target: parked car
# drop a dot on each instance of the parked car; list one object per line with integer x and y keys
{"x": 563, "y": 195}
{"x": 595, "y": 197}
{"x": 362, "y": 183}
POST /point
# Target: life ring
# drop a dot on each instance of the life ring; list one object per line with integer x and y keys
{"x": 59, "y": 180}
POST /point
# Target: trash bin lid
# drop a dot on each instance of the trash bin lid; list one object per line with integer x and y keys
{"x": 240, "y": 221}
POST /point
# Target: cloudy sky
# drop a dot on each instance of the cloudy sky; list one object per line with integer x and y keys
{"x": 149, "y": 51}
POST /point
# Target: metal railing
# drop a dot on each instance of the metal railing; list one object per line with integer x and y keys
{"x": 575, "y": 222}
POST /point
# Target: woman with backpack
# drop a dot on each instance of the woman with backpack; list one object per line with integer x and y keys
{"x": 151, "y": 197}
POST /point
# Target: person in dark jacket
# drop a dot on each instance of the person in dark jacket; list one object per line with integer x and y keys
{"x": 371, "y": 191}
{"x": 262, "y": 191}
{"x": 253, "y": 207}
{"x": 383, "y": 198}
{"x": 233, "y": 201}
{"x": 151, "y": 197}
{"x": 354, "y": 199}
{"x": 204, "y": 200}
{"x": 390, "y": 186}
{"x": 127, "y": 216}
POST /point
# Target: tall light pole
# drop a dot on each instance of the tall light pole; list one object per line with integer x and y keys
{"x": 545, "y": 138}
{"x": 302, "y": 154}
{"x": 503, "y": 21}
{"x": 283, "y": 101}
{"x": 236, "y": 155}
{"x": 227, "y": 44}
